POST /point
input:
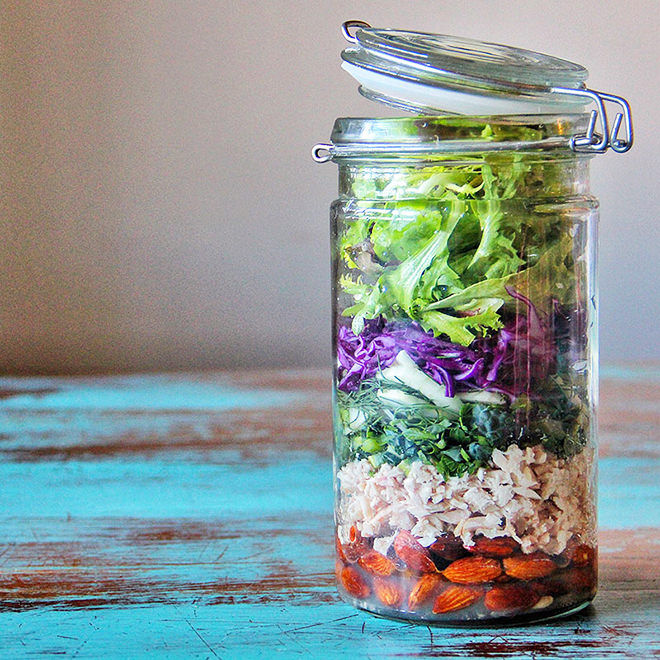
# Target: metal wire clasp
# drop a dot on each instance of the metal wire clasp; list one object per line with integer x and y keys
{"x": 346, "y": 29}
{"x": 594, "y": 142}
{"x": 322, "y": 152}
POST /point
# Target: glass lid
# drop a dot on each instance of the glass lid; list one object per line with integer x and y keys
{"x": 440, "y": 74}
{"x": 466, "y": 61}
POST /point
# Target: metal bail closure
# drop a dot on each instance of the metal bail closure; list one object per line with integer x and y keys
{"x": 440, "y": 74}
{"x": 620, "y": 145}
{"x": 592, "y": 142}
{"x": 322, "y": 152}
{"x": 346, "y": 30}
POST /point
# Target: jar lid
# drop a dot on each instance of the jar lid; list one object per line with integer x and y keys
{"x": 440, "y": 74}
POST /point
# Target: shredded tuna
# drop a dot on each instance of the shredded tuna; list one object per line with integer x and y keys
{"x": 539, "y": 500}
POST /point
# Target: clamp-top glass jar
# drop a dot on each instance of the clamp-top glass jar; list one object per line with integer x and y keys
{"x": 465, "y": 342}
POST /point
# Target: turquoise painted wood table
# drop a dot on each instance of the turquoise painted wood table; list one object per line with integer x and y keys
{"x": 190, "y": 516}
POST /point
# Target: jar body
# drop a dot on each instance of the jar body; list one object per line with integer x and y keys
{"x": 464, "y": 386}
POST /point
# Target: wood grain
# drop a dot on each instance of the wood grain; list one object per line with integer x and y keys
{"x": 190, "y": 515}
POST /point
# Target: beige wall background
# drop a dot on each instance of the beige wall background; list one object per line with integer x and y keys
{"x": 159, "y": 206}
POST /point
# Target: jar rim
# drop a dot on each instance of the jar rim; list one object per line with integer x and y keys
{"x": 426, "y": 136}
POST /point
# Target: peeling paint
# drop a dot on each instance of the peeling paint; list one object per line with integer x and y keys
{"x": 188, "y": 531}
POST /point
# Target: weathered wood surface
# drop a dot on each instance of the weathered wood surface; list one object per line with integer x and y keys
{"x": 190, "y": 516}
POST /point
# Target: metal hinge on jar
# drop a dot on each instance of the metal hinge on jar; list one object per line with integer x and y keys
{"x": 590, "y": 141}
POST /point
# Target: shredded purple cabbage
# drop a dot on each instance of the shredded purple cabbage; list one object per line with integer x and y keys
{"x": 508, "y": 362}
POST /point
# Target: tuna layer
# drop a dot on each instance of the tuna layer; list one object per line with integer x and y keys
{"x": 537, "y": 499}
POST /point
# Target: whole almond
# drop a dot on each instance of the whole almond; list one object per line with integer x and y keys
{"x": 501, "y": 546}
{"x": 354, "y": 584}
{"x": 529, "y": 567}
{"x": 473, "y": 570}
{"x": 413, "y": 553}
{"x": 377, "y": 564}
{"x": 388, "y": 593}
{"x": 424, "y": 589}
{"x": 455, "y": 598}
{"x": 510, "y": 598}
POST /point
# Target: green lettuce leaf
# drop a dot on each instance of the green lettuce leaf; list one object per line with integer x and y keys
{"x": 442, "y": 244}
{"x": 547, "y": 278}
{"x": 464, "y": 329}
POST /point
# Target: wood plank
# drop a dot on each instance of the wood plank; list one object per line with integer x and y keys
{"x": 190, "y": 516}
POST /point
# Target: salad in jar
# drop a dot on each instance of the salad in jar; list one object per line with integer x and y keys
{"x": 463, "y": 339}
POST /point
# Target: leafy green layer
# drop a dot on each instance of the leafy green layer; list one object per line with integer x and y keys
{"x": 450, "y": 268}
{"x": 398, "y": 433}
{"x": 447, "y": 260}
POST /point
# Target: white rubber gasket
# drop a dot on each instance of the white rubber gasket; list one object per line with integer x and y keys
{"x": 455, "y": 102}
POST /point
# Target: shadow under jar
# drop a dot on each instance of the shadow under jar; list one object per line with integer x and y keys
{"x": 464, "y": 315}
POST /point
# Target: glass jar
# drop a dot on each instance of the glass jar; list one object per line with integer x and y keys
{"x": 465, "y": 338}
{"x": 465, "y": 344}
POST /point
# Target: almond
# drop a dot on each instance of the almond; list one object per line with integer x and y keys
{"x": 353, "y": 583}
{"x": 412, "y": 553}
{"x": 572, "y": 580}
{"x": 388, "y": 593}
{"x": 448, "y": 547}
{"x": 423, "y": 590}
{"x": 501, "y": 546}
{"x": 356, "y": 547}
{"x": 353, "y": 551}
{"x": 340, "y": 550}
{"x": 510, "y": 598}
{"x": 473, "y": 570}
{"x": 339, "y": 567}
{"x": 456, "y": 597}
{"x": 377, "y": 564}
{"x": 583, "y": 555}
{"x": 529, "y": 567}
